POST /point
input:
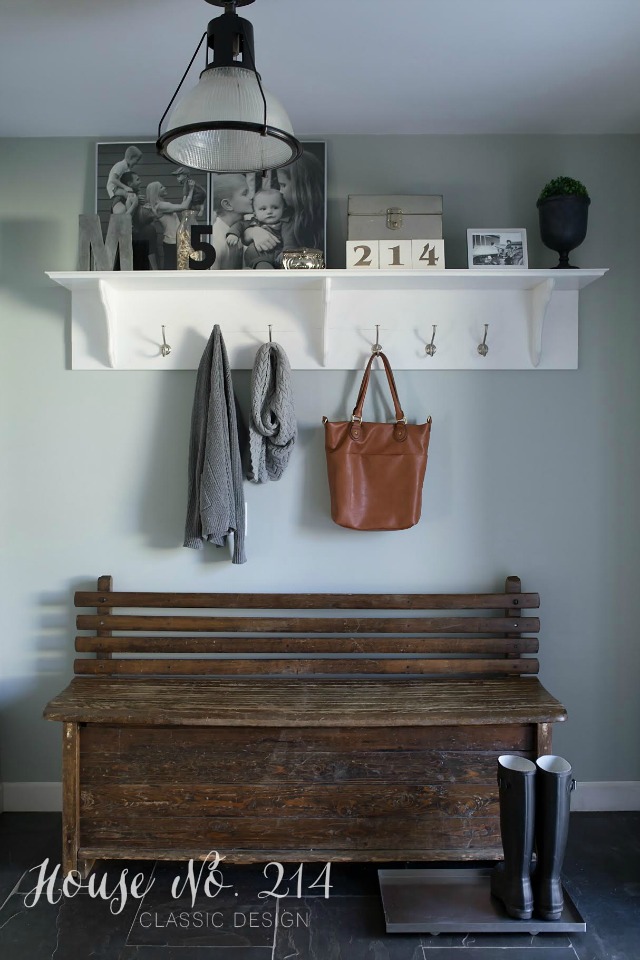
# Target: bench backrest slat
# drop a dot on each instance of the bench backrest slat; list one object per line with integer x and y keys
{"x": 306, "y": 645}
{"x": 309, "y": 601}
{"x": 301, "y": 667}
{"x": 184, "y": 634}
{"x": 312, "y": 625}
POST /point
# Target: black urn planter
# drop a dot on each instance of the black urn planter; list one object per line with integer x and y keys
{"x": 563, "y": 225}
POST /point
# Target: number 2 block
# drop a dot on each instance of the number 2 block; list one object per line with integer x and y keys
{"x": 427, "y": 254}
{"x": 396, "y": 254}
{"x": 363, "y": 254}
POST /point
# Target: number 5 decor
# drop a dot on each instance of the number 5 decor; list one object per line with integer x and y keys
{"x": 395, "y": 254}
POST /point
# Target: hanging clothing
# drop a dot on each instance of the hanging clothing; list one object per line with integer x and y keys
{"x": 216, "y": 498}
{"x": 272, "y": 426}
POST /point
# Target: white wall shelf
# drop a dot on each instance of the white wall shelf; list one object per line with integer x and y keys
{"x": 327, "y": 318}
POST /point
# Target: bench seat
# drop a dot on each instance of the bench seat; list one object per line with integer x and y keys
{"x": 305, "y": 702}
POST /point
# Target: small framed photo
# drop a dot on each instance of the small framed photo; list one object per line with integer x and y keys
{"x": 489, "y": 247}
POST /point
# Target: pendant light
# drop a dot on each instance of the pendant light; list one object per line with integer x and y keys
{"x": 228, "y": 123}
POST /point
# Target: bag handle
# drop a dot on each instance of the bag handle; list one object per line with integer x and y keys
{"x": 400, "y": 430}
{"x": 357, "y": 410}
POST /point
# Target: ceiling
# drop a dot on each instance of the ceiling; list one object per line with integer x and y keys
{"x": 109, "y": 68}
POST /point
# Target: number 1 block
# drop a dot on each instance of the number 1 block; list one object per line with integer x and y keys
{"x": 427, "y": 254}
{"x": 363, "y": 254}
{"x": 396, "y": 254}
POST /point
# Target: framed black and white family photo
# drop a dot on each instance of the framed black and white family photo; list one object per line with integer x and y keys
{"x": 497, "y": 247}
{"x": 132, "y": 178}
{"x": 254, "y": 217}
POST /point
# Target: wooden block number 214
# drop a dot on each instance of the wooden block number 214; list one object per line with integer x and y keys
{"x": 401, "y": 254}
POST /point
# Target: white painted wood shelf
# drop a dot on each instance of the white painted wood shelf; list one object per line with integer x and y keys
{"x": 326, "y": 319}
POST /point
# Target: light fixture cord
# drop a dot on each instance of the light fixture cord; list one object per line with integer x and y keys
{"x": 182, "y": 81}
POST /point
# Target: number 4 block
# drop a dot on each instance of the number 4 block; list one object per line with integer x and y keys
{"x": 427, "y": 254}
{"x": 398, "y": 255}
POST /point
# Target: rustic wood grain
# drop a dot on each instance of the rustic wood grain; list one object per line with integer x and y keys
{"x": 326, "y": 703}
{"x": 163, "y": 800}
{"x": 428, "y": 767}
{"x": 386, "y": 644}
{"x": 309, "y": 601}
{"x": 490, "y": 850}
{"x": 543, "y": 742}
{"x": 512, "y": 586}
{"x": 359, "y": 833}
{"x": 110, "y": 742}
{"x": 350, "y": 625}
{"x": 300, "y": 667}
{"x": 70, "y": 797}
{"x": 104, "y": 584}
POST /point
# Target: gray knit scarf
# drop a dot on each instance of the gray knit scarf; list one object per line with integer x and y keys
{"x": 216, "y": 497}
{"x": 272, "y": 425}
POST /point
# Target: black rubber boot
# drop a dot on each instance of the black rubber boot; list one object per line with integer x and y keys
{"x": 553, "y": 794}
{"x": 511, "y": 880}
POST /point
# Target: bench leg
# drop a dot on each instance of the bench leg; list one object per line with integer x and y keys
{"x": 70, "y": 796}
{"x": 543, "y": 739}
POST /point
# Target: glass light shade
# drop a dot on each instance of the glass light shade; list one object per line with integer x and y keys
{"x": 228, "y": 95}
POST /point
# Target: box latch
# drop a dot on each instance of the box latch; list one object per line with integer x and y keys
{"x": 394, "y": 218}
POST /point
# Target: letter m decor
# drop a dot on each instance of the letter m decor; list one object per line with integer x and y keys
{"x": 105, "y": 251}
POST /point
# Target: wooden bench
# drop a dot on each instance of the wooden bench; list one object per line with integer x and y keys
{"x": 367, "y": 732}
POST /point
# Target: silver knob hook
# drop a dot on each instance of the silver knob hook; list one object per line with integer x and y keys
{"x": 270, "y": 337}
{"x": 483, "y": 349}
{"x": 377, "y": 347}
{"x": 165, "y": 349}
{"x": 430, "y": 348}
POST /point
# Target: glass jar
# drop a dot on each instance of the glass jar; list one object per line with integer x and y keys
{"x": 184, "y": 250}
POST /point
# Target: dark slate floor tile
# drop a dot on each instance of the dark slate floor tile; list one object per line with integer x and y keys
{"x": 195, "y": 953}
{"x": 73, "y": 929}
{"x": 26, "y": 839}
{"x": 342, "y": 928}
{"x": 353, "y": 879}
{"x": 497, "y": 941}
{"x": 509, "y": 953}
{"x": 602, "y": 875}
{"x": 10, "y": 876}
{"x": 27, "y": 933}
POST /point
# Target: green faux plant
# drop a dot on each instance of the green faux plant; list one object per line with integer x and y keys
{"x": 563, "y": 187}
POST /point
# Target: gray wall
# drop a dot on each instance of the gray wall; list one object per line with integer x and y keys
{"x": 530, "y": 473}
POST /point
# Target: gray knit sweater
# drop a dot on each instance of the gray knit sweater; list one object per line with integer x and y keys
{"x": 216, "y": 498}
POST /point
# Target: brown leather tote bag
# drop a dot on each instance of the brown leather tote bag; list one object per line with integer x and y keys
{"x": 376, "y": 470}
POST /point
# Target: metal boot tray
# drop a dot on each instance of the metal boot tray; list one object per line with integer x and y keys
{"x": 458, "y": 901}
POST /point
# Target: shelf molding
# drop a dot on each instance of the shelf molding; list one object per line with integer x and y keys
{"x": 327, "y": 318}
{"x": 105, "y": 293}
{"x": 540, "y": 300}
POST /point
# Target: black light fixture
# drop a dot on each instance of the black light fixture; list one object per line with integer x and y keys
{"x": 228, "y": 122}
